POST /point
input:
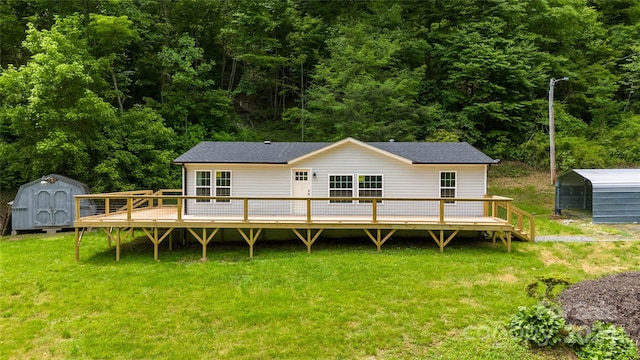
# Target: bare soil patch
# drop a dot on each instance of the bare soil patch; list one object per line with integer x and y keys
{"x": 612, "y": 299}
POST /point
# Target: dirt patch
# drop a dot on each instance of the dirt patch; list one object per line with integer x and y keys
{"x": 613, "y": 299}
{"x": 549, "y": 258}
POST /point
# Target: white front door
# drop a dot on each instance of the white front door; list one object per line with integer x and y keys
{"x": 301, "y": 188}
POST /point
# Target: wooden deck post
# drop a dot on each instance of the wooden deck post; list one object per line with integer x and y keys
{"x": 155, "y": 244}
{"x": 246, "y": 210}
{"x": 129, "y": 208}
{"x": 509, "y": 241}
{"x": 118, "y": 245}
{"x": 251, "y": 239}
{"x": 77, "y": 209}
{"x": 109, "y": 235}
{"x": 374, "y": 212}
{"x": 485, "y": 204}
{"x": 107, "y": 206}
{"x": 378, "y": 239}
{"x": 532, "y": 229}
{"x": 156, "y": 240}
{"x": 77, "y": 241}
{"x": 204, "y": 244}
{"x": 180, "y": 209}
{"x": 309, "y": 213}
{"x": 309, "y": 239}
{"x": 440, "y": 240}
{"x": 441, "y": 211}
{"x": 204, "y": 240}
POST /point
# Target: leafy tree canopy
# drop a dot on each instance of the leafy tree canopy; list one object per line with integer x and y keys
{"x": 109, "y": 92}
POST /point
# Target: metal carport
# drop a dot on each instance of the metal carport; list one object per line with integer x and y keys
{"x": 613, "y": 195}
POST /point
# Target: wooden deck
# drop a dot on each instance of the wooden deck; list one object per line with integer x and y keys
{"x": 158, "y": 214}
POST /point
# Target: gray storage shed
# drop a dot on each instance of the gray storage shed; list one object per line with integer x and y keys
{"x": 47, "y": 204}
{"x": 613, "y": 195}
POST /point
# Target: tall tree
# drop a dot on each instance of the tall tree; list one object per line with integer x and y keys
{"x": 365, "y": 87}
{"x": 51, "y": 115}
{"x": 53, "y": 119}
{"x": 189, "y": 95}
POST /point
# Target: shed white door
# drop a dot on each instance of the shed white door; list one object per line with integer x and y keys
{"x": 301, "y": 188}
{"x": 52, "y": 207}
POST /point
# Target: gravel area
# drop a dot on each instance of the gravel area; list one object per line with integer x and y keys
{"x": 567, "y": 238}
{"x": 582, "y": 238}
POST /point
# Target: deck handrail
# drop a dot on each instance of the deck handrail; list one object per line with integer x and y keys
{"x": 522, "y": 221}
{"x": 191, "y": 197}
{"x": 496, "y": 207}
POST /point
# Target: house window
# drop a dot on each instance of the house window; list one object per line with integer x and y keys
{"x": 223, "y": 185}
{"x": 369, "y": 186}
{"x": 448, "y": 185}
{"x": 203, "y": 185}
{"x": 340, "y": 186}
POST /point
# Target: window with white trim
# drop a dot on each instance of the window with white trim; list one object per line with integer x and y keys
{"x": 223, "y": 185}
{"x": 203, "y": 185}
{"x": 340, "y": 186}
{"x": 448, "y": 185}
{"x": 369, "y": 186}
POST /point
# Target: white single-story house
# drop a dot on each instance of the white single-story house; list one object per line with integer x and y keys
{"x": 379, "y": 188}
{"x": 348, "y": 168}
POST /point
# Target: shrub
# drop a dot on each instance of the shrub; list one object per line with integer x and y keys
{"x": 607, "y": 342}
{"x": 540, "y": 325}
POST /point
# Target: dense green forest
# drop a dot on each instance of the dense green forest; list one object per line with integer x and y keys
{"x": 110, "y": 91}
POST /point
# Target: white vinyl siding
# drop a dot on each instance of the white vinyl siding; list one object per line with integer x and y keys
{"x": 223, "y": 185}
{"x": 203, "y": 185}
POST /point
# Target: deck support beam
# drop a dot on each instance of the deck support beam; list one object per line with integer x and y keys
{"x": 440, "y": 240}
{"x": 156, "y": 240}
{"x": 77, "y": 242}
{"x": 309, "y": 239}
{"x": 204, "y": 240}
{"x": 116, "y": 239}
{"x": 128, "y": 233}
{"x": 251, "y": 239}
{"x": 505, "y": 237}
{"x": 79, "y": 233}
{"x": 378, "y": 239}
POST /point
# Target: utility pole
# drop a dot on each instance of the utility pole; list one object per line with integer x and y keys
{"x": 552, "y": 130}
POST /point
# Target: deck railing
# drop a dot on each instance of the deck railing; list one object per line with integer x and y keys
{"x": 170, "y": 205}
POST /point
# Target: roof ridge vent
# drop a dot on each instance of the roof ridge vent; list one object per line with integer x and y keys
{"x": 267, "y": 142}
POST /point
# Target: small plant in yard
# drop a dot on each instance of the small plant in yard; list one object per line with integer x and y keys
{"x": 539, "y": 324}
{"x": 605, "y": 341}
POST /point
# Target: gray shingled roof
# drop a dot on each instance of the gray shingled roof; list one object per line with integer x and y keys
{"x": 283, "y": 152}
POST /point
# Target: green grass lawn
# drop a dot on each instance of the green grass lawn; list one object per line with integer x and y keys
{"x": 344, "y": 300}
